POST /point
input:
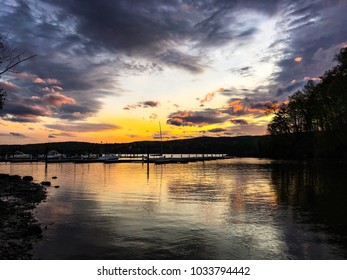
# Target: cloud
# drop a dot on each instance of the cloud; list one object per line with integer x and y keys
{"x": 246, "y": 106}
{"x": 149, "y": 103}
{"x": 298, "y": 59}
{"x": 196, "y": 118}
{"x": 84, "y": 47}
{"x": 178, "y": 59}
{"x": 315, "y": 31}
{"x": 30, "y": 109}
{"x": 239, "y": 121}
{"x": 235, "y": 107}
{"x": 22, "y": 119}
{"x": 143, "y": 104}
{"x": 82, "y": 127}
{"x": 245, "y": 71}
{"x": 28, "y": 101}
{"x": 153, "y": 116}
{"x": 207, "y": 98}
{"x": 19, "y": 135}
{"x": 23, "y": 110}
{"x": 217, "y": 130}
{"x": 61, "y": 134}
{"x": 8, "y": 86}
{"x": 48, "y": 81}
{"x": 56, "y": 99}
{"x": 75, "y": 112}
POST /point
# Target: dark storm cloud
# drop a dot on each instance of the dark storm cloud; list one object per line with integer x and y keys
{"x": 28, "y": 105}
{"x": 154, "y": 29}
{"x": 83, "y": 44}
{"x": 147, "y": 29}
{"x": 316, "y": 31}
{"x": 60, "y": 56}
{"x": 23, "y": 110}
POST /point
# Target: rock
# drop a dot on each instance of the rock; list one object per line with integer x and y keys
{"x": 14, "y": 178}
{"x": 19, "y": 229}
{"x": 54, "y": 177}
{"x": 4, "y": 176}
{"x": 57, "y": 187}
{"x": 45, "y": 183}
{"x": 28, "y": 178}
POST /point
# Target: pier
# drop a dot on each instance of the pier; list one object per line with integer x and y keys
{"x": 126, "y": 158}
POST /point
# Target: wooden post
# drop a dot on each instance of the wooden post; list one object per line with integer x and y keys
{"x": 46, "y": 157}
{"x": 147, "y": 161}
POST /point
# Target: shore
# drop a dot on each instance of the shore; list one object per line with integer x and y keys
{"x": 18, "y": 227}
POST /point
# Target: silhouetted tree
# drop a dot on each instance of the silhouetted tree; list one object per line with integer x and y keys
{"x": 318, "y": 106}
{"x": 9, "y": 59}
{"x": 280, "y": 122}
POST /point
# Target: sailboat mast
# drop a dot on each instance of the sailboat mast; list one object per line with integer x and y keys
{"x": 161, "y": 140}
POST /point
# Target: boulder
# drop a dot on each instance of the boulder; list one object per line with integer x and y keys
{"x": 15, "y": 177}
{"x": 28, "y": 178}
{"x": 4, "y": 176}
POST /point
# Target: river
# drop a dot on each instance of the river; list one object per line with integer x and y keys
{"x": 225, "y": 209}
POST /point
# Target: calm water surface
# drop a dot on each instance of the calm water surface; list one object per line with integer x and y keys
{"x": 225, "y": 209}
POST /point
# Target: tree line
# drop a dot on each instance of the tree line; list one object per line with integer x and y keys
{"x": 318, "y": 107}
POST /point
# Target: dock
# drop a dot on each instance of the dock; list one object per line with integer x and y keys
{"x": 167, "y": 159}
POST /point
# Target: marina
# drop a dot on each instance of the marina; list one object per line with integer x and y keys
{"x": 122, "y": 158}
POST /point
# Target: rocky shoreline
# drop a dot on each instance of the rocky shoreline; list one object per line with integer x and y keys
{"x": 19, "y": 229}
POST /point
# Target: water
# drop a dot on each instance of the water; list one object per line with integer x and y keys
{"x": 224, "y": 209}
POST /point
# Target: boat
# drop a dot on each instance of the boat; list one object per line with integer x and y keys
{"x": 53, "y": 154}
{"x": 161, "y": 159}
{"x": 21, "y": 155}
{"x": 108, "y": 158}
{"x": 89, "y": 156}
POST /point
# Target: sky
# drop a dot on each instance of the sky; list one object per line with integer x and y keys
{"x": 111, "y": 71}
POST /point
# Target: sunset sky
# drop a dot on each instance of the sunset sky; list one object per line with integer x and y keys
{"x": 110, "y": 71}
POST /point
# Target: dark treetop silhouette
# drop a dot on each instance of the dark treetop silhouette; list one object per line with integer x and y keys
{"x": 9, "y": 59}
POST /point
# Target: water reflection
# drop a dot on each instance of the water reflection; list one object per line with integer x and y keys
{"x": 313, "y": 197}
{"x": 230, "y": 209}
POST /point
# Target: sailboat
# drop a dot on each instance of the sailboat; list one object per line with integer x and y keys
{"x": 161, "y": 159}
